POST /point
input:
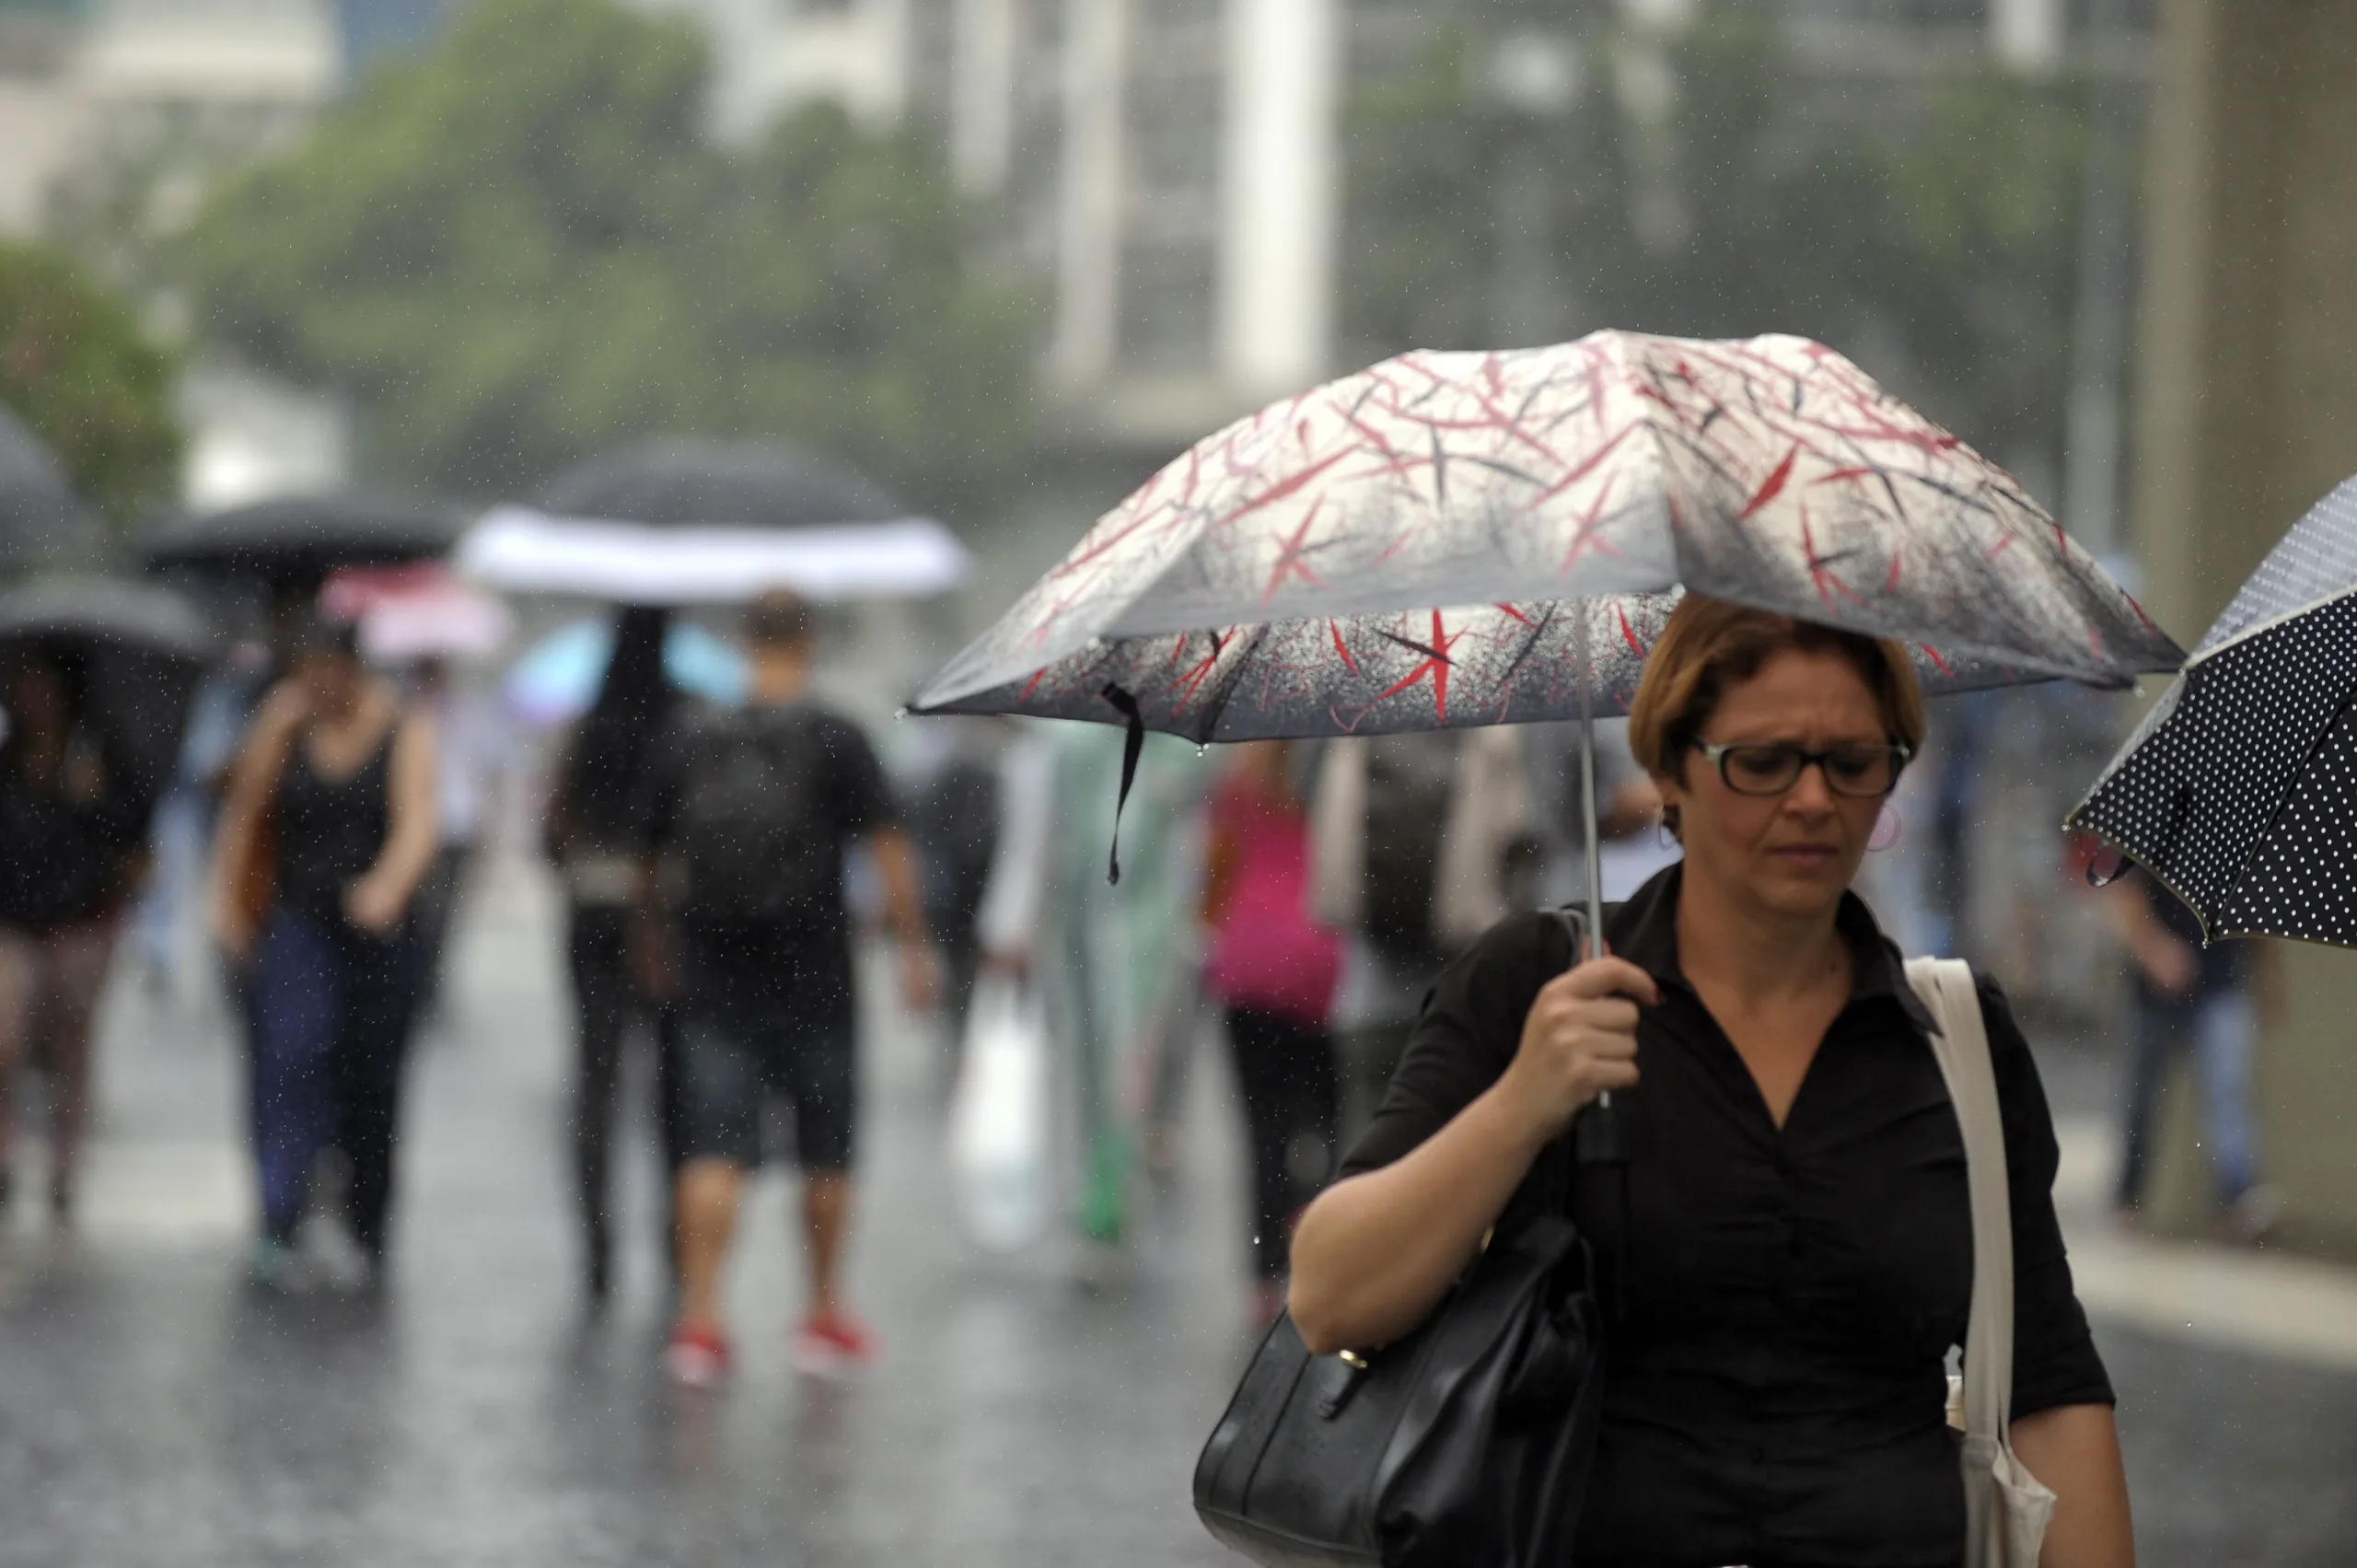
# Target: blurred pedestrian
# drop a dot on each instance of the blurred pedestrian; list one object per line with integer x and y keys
{"x": 592, "y": 833}
{"x": 1274, "y": 971}
{"x": 470, "y": 753}
{"x": 746, "y": 818}
{"x": 953, "y": 815}
{"x": 1120, "y": 964}
{"x": 1419, "y": 842}
{"x": 326, "y": 833}
{"x": 1787, "y": 1248}
{"x": 2194, "y": 998}
{"x": 70, "y": 826}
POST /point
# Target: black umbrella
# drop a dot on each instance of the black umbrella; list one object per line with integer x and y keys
{"x": 299, "y": 539}
{"x": 41, "y": 522}
{"x": 137, "y": 651}
{"x": 2238, "y": 792}
{"x": 107, "y": 611}
{"x": 687, "y": 482}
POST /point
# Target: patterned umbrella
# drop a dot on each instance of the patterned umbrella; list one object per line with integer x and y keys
{"x": 2239, "y": 790}
{"x": 1451, "y": 539}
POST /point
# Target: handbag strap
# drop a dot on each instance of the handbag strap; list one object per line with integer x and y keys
{"x": 1960, "y": 1043}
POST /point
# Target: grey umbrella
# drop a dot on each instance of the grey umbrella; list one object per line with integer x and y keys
{"x": 299, "y": 539}
{"x": 41, "y": 521}
{"x": 138, "y": 648}
{"x": 685, "y": 482}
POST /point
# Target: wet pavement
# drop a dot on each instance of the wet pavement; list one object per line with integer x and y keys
{"x": 155, "y": 1412}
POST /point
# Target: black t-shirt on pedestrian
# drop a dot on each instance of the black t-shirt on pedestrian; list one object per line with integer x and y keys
{"x": 1775, "y": 1388}
{"x": 804, "y": 964}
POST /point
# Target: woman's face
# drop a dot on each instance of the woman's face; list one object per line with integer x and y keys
{"x": 331, "y": 679}
{"x": 1791, "y": 853}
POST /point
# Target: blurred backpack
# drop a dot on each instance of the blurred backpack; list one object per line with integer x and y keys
{"x": 1420, "y": 842}
{"x": 1409, "y": 782}
{"x": 750, "y": 838}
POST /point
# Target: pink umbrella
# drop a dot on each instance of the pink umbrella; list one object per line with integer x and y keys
{"x": 418, "y": 611}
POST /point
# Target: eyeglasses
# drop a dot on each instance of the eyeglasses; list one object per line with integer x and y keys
{"x": 1861, "y": 769}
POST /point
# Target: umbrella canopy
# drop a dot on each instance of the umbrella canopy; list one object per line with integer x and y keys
{"x": 302, "y": 539}
{"x": 107, "y": 611}
{"x": 2235, "y": 790}
{"x": 701, "y": 522}
{"x": 527, "y": 551}
{"x": 419, "y": 611}
{"x": 682, "y": 482}
{"x": 558, "y": 677}
{"x": 39, "y": 520}
{"x": 1452, "y": 539}
{"x": 139, "y": 650}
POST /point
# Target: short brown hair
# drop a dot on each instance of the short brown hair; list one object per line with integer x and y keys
{"x": 779, "y": 617}
{"x": 1710, "y": 645}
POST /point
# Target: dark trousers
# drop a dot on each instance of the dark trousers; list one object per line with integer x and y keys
{"x": 433, "y": 912}
{"x": 332, "y": 1013}
{"x": 1291, "y": 1089}
{"x": 606, "y": 1000}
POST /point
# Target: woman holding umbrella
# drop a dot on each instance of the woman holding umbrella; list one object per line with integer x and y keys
{"x": 1793, "y": 1254}
{"x": 331, "y": 808}
{"x": 70, "y": 826}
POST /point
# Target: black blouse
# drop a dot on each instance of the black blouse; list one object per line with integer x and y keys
{"x": 1785, "y": 1299}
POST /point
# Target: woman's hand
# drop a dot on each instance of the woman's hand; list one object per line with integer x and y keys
{"x": 1579, "y": 1040}
{"x": 376, "y": 903}
{"x": 233, "y": 931}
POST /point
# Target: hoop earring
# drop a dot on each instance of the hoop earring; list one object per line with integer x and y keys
{"x": 1887, "y": 828}
{"x": 1666, "y": 832}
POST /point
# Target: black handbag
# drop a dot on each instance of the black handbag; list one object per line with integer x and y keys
{"x": 1465, "y": 1443}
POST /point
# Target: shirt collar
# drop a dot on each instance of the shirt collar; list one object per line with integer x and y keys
{"x": 1645, "y": 931}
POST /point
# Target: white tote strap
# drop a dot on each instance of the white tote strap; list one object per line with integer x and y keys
{"x": 1961, "y": 1045}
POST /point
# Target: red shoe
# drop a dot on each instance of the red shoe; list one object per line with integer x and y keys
{"x": 830, "y": 1344}
{"x": 697, "y": 1357}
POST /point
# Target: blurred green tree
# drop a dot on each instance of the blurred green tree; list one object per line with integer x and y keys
{"x": 78, "y": 368}
{"x": 522, "y": 247}
{"x": 1696, "y": 188}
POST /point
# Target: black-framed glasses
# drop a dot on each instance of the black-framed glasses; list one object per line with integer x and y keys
{"x": 1859, "y": 770}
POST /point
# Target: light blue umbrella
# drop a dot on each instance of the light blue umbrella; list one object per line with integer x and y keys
{"x": 557, "y": 678}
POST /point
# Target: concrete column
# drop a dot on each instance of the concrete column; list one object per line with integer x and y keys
{"x": 1280, "y": 194}
{"x": 1091, "y": 193}
{"x": 982, "y": 94}
{"x": 2246, "y": 414}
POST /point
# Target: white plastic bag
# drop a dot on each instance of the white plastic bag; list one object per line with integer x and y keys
{"x": 998, "y": 1118}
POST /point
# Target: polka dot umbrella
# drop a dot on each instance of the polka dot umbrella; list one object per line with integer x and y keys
{"x": 2238, "y": 792}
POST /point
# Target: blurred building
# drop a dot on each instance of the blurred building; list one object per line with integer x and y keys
{"x": 115, "y": 115}
{"x": 1174, "y": 169}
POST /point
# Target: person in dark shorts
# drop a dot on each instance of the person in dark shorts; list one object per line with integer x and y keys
{"x": 746, "y": 818}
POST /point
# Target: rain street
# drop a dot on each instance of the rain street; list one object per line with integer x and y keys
{"x": 154, "y": 1411}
